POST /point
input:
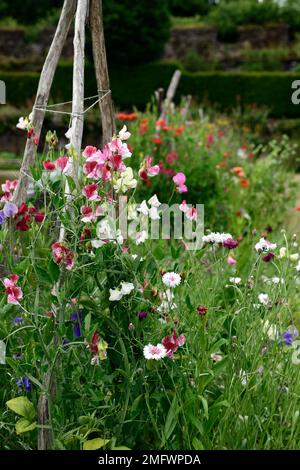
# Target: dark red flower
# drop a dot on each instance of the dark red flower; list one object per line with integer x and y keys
{"x": 22, "y": 225}
{"x": 230, "y": 243}
{"x": 39, "y": 217}
{"x": 202, "y": 310}
{"x": 268, "y": 257}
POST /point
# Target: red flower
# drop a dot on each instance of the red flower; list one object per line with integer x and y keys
{"x": 49, "y": 166}
{"x": 39, "y": 217}
{"x": 22, "y": 209}
{"x": 178, "y": 131}
{"x": 94, "y": 343}
{"x": 244, "y": 183}
{"x": 156, "y": 140}
{"x": 22, "y": 225}
{"x": 85, "y": 234}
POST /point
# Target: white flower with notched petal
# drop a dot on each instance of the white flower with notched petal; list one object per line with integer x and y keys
{"x": 263, "y": 299}
{"x": 171, "y": 279}
{"x": 235, "y": 280}
{"x": 264, "y": 246}
{"x": 155, "y": 352}
{"x": 124, "y": 134}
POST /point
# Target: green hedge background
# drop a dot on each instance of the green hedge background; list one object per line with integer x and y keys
{"x": 134, "y": 86}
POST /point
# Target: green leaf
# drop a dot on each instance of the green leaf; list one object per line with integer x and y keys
{"x": 22, "y": 406}
{"x": 87, "y": 323}
{"x": 54, "y": 271}
{"x": 120, "y": 448}
{"x": 2, "y": 352}
{"x": 197, "y": 445}
{"x": 23, "y": 425}
{"x": 171, "y": 420}
{"x": 42, "y": 275}
{"x": 95, "y": 444}
{"x": 205, "y": 406}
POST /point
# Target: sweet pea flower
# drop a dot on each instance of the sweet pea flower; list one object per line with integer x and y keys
{"x": 151, "y": 170}
{"x": 14, "y": 293}
{"x": 172, "y": 343}
{"x": 63, "y": 255}
{"x": 124, "y": 134}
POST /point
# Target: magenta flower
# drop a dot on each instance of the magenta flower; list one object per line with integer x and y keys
{"x": 179, "y": 179}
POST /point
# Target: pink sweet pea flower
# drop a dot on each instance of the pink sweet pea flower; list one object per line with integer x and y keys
{"x": 62, "y": 163}
{"x": 62, "y": 254}
{"x": 151, "y": 170}
{"x": 89, "y": 151}
{"x": 182, "y": 188}
{"x": 90, "y": 192}
{"x": 172, "y": 343}
{"x": 14, "y": 293}
{"x": 179, "y": 179}
{"x": 231, "y": 260}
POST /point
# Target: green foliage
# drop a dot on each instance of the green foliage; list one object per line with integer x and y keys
{"x": 29, "y": 11}
{"x": 189, "y": 8}
{"x": 135, "y": 32}
{"x": 227, "y": 16}
{"x": 134, "y": 86}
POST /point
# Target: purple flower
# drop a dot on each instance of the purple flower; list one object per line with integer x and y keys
{"x": 2, "y": 217}
{"x": 230, "y": 243}
{"x": 289, "y": 336}
{"x": 18, "y": 321}
{"x": 76, "y": 318}
{"x": 17, "y": 355}
{"x": 10, "y": 209}
{"x": 141, "y": 315}
{"x": 25, "y": 383}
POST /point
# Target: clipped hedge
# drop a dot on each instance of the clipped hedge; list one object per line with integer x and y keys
{"x": 134, "y": 86}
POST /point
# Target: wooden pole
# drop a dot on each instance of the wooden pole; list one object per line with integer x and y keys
{"x": 78, "y": 82}
{"x": 101, "y": 69}
{"x": 42, "y": 96}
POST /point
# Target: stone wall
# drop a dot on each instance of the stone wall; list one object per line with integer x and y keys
{"x": 184, "y": 40}
{"x": 204, "y": 39}
{"x": 14, "y": 43}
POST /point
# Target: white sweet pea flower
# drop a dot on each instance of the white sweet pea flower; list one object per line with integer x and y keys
{"x": 143, "y": 208}
{"x": 153, "y": 201}
{"x": 270, "y": 330}
{"x": 124, "y": 134}
{"x": 235, "y": 280}
{"x": 141, "y": 237}
{"x": 115, "y": 295}
{"x": 23, "y": 123}
{"x": 126, "y": 181}
{"x": 294, "y": 257}
{"x": 126, "y": 288}
{"x": 153, "y": 213}
{"x": 171, "y": 279}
